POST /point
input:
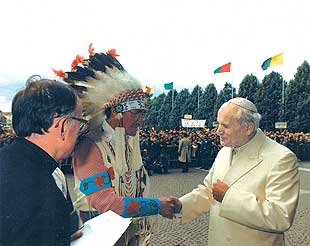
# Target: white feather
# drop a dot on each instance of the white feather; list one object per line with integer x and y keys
{"x": 110, "y": 84}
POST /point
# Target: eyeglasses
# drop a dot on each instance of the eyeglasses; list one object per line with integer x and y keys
{"x": 83, "y": 124}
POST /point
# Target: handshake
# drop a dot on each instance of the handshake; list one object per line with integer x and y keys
{"x": 170, "y": 206}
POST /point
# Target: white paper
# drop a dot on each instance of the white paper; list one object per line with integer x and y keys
{"x": 104, "y": 229}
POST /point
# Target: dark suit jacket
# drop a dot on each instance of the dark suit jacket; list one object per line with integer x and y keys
{"x": 33, "y": 211}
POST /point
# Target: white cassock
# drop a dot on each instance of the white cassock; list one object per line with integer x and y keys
{"x": 261, "y": 202}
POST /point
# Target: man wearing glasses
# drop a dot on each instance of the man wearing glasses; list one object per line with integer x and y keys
{"x": 107, "y": 164}
{"x": 83, "y": 124}
{"x": 35, "y": 205}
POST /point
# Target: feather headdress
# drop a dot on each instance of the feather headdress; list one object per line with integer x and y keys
{"x": 101, "y": 81}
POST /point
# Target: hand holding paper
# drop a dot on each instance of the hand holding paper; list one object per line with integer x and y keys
{"x": 108, "y": 225}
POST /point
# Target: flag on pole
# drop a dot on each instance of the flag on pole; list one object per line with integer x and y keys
{"x": 168, "y": 86}
{"x": 149, "y": 90}
{"x": 223, "y": 69}
{"x": 273, "y": 61}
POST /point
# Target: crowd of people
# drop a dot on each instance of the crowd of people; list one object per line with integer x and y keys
{"x": 163, "y": 144}
{"x": 205, "y": 145}
{"x": 298, "y": 142}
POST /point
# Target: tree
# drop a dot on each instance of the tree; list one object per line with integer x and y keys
{"x": 195, "y": 101}
{"x": 150, "y": 119}
{"x": 298, "y": 100}
{"x": 268, "y": 100}
{"x": 165, "y": 111}
{"x": 208, "y": 101}
{"x": 224, "y": 96}
{"x": 248, "y": 87}
{"x": 190, "y": 104}
{"x": 177, "y": 112}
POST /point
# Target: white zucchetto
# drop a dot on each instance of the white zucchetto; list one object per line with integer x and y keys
{"x": 244, "y": 103}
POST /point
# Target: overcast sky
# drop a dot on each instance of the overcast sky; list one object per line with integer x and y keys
{"x": 159, "y": 41}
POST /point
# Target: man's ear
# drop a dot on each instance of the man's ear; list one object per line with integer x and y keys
{"x": 250, "y": 128}
{"x": 59, "y": 126}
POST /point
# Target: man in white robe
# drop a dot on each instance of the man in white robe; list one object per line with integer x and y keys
{"x": 252, "y": 189}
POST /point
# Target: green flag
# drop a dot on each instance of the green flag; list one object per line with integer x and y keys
{"x": 168, "y": 86}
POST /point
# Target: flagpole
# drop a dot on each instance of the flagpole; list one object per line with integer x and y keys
{"x": 172, "y": 99}
{"x": 283, "y": 93}
{"x": 283, "y": 104}
{"x": 232, "y": 88}
{"x": 198, "y": 102}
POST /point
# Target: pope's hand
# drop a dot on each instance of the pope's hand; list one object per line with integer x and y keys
{"x": 219, "y": 190}
{"x": 170, "y": 206}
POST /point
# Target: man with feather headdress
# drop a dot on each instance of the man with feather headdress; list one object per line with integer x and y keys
{"x": 109, "y": 174}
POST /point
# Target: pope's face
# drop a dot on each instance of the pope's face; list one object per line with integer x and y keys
{"x": 133, "y": 120}
{"x": 231, "y": 132}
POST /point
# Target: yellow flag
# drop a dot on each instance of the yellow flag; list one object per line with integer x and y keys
{"x": 277, "y": 60}
{"x": 273, "y": 61}
{"x": 149, "y": 90}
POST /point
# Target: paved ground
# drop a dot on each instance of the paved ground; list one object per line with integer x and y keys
{"x": 167, "y": 232}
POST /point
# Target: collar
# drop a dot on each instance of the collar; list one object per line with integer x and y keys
{"x": 36, "y": 154}
{"x": 245, "y": 146}
{"x": 252, "y": 148}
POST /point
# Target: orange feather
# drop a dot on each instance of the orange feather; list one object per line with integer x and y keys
{"x": 113, "y": 53}
{"x": 91, "y": 49}
{"x": 78, "y": 59}
{"x": 59, "y": 73}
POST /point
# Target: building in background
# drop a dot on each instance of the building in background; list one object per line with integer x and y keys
{"x": 5, "y": 119}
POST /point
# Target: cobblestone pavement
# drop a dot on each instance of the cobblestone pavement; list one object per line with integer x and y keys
{"x": 168, "y": 232}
